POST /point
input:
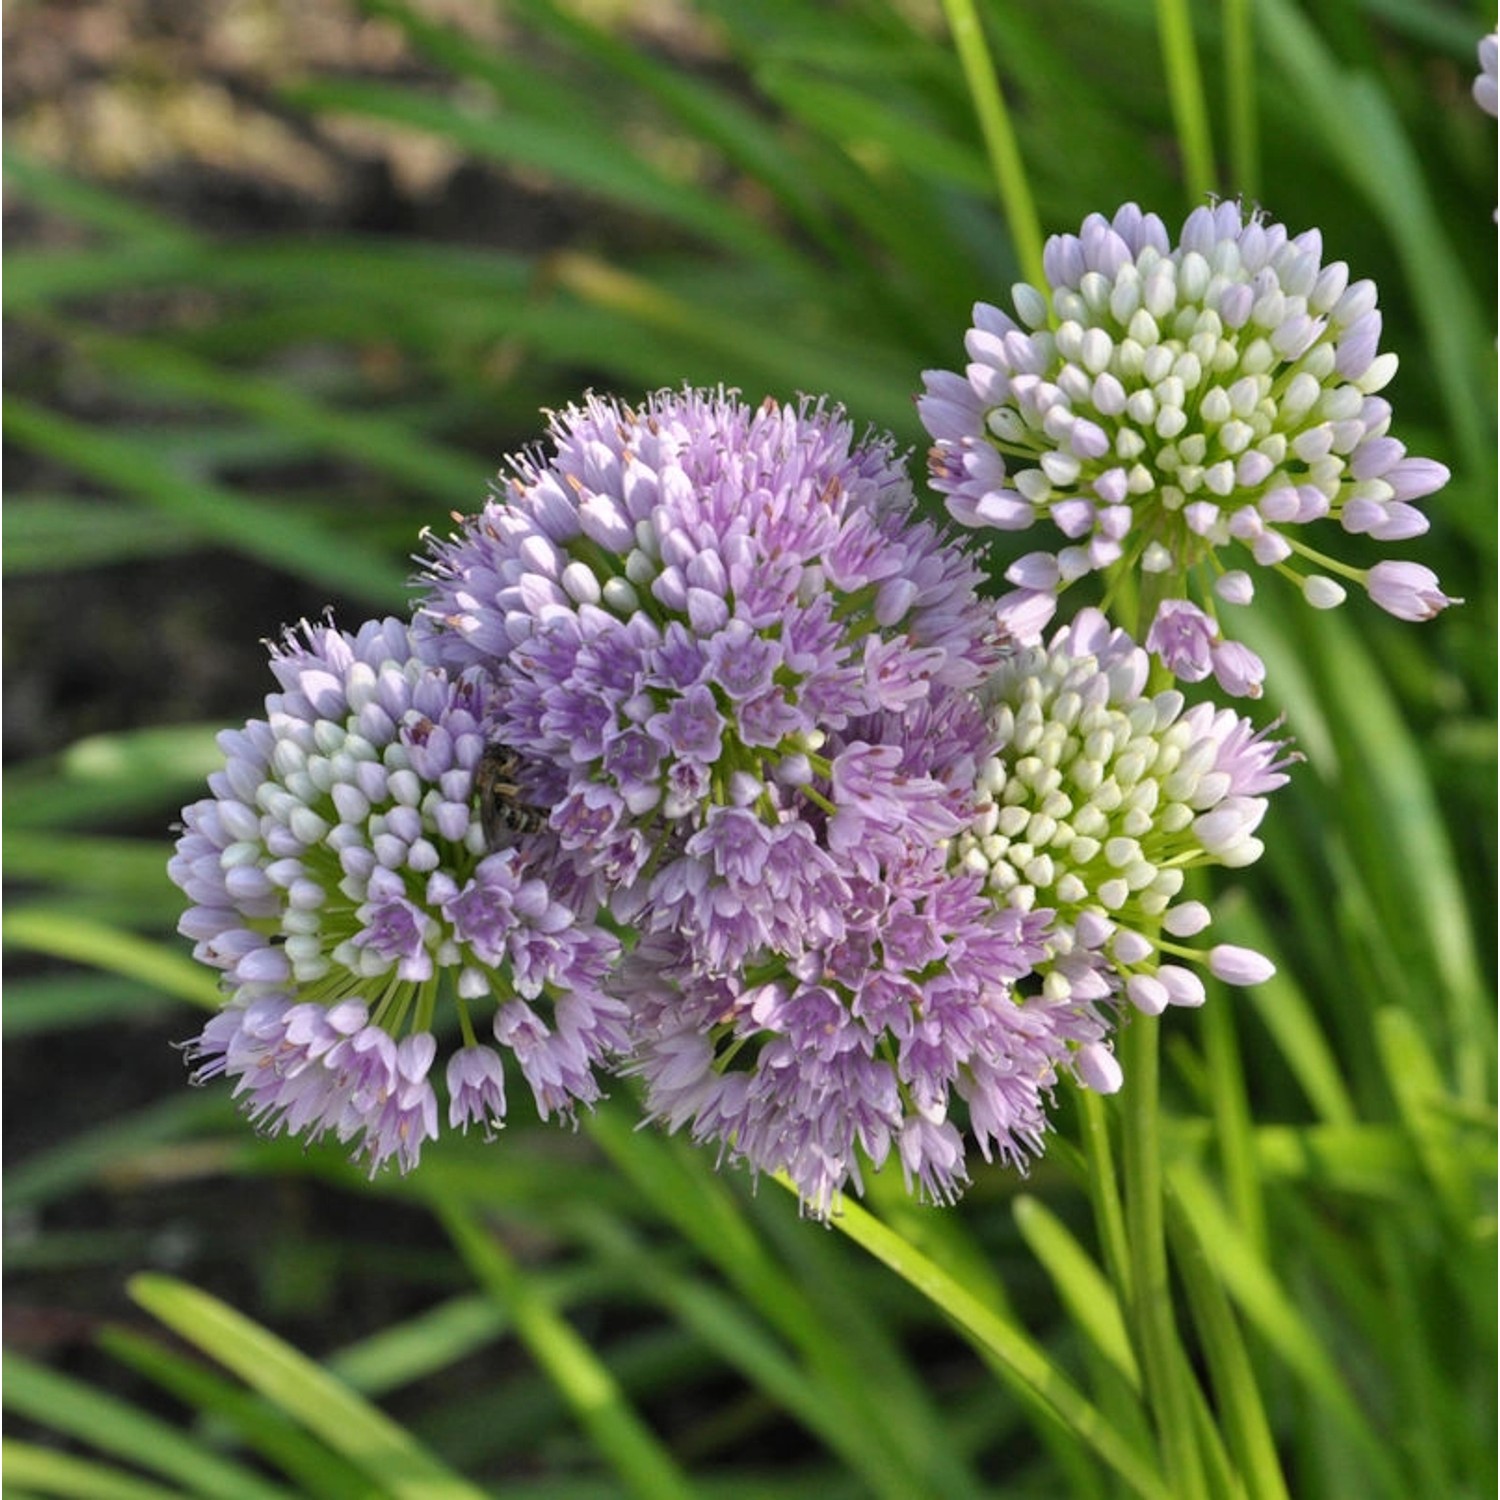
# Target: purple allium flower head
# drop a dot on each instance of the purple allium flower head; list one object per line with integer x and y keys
{"x": 1097, "y": 800}
{"x": 1484, "y": 85}
{"x": 1162, "y": 404}
{"x": 891, "y": 1018}
{"x": 685, "y": 605}
{"x": 341, "y": 882}
{"x": 892, "y": 1033}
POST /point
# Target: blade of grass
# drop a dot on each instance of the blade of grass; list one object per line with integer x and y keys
{"x": 87, "y": 203}
{"x": 325, "y": 1406}
{"x": 1005, "y": 1345}
{"x": 706, "y": 111}
{"x": 1185, "y": 86}
{"x": 58, "y": 534}
{"x": 1360, "y": 133}
{"x": 1287, "y": 1013}
{"x": 1404, "y": 855}
{"x": 403, "y": 1352}
{"x": 96, "y": 1155}
{"x": 819, "y": 1265}
{"x": 63, "y": 1474}
{"x": 790, "y": 363}
{"x": 85, "y": 863}
{"x": 1243, "y": 1417}
{"x": 113, "y": 1426}
{"x": 597, "y": 161}
{"x": 643, "y": 1464}
{"x": 104, "y": 776}
{"x": 1233, "y": 1130}
{"x": 679, "y": 1185}
{"x": 272, "y": 1433}
{"x": 375, "y": 441}
{"x": 34, "y": 1007}
{"x": 1240, "y": 95}
{"x": 1417, "y": 1085}
{"x": 1252, "y": 1285}
{"x": 999, "y": 137}
{"x": 1082, "y": 1286}
{"x": 1169, "y": 1382}
{"x": 721, "y": 1324}
{"x": 286, "y": 541}
{"x": 81, "y": 942}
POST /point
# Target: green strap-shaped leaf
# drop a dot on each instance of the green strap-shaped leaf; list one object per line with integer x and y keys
{"x": 1006, "y": 1346}
{"x": 115, "y": 1427}
{"x": 285, "y": 540}
{"x": 1085, "y": 1292}
{"x": 638, "y": 1456}
{"x": 73, "y": 1478}
{"x": 83, "y": 942}
{"x": 325, "y": 1406}
{"x": 1268, "y": 1309}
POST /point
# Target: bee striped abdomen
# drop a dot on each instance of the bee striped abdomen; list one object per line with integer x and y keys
{"x": 504, "y": 817}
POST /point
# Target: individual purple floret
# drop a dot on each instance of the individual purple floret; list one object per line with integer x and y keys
{"x": 683, "y": 605}
{"x": 1178, "y": 410}
{"x": 341, "y": 881}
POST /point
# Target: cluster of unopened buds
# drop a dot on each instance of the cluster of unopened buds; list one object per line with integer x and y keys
{"x": 704, "y": 761}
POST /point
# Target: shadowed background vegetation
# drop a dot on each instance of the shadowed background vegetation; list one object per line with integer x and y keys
{"x": 283, "y": 283}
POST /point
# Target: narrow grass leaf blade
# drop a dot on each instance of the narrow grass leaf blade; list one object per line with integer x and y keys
{"x": 376, "y": 441}
{"x": 270, "y": 1432}
{"x": 136, "y": 771}
{"x": 280, "y": 538}
{"x": 56, "y": 534}
{"x": 88, "y": 204}
{"x": 1014, "y": 190}
{"x": 291, "y": 1381}
{"x": 1417, "y": 1084}
{"x": 1274, "y": 1316}
{"x": 1006, "y": 1345}
{"x": 643, "y": 1464}
{"x": 113, "y": 1426}
{"x": 1087, "y": 1295}
{"x": 1355, "y": 122}
{"x": 705, "y": 110}
{"x": 682, "y": 1188}
{"x": 431, "y": 1341}
{"x": 82, "y": 942}
{"x": 72, "y": 1478}
{"x": 61, "y": 1002}
{"x": 1243, "y": 1417}
{"x": 593, "y": 160}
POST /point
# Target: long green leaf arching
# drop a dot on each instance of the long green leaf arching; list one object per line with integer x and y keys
{"x": 1007, "y": 1346}
{"x": 385, "y": 1451}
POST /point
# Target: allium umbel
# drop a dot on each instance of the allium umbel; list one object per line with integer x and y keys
{"x": 341, "y": 882}
{"x": 735, "y": 664}
{"x": 1179, "y": 410}
{"x": 1096, "y": 802}
{"x": 898, "y": 1026}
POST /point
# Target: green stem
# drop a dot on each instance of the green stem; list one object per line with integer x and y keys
{"x": 1162, "y": 1361}
{"x": 1104, "y": 1193}
{"x": 1185, "y": 85}
{"x": 1239, "y": 91}
{"x": 999, "y": 137}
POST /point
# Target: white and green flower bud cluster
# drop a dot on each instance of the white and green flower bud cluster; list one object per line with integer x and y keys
{"x": 1097, "y": 801}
